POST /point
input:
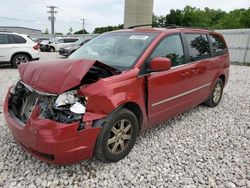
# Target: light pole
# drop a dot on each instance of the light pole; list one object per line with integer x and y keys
{"x": 83, "y": 23}
{"x": 52, "y": 17}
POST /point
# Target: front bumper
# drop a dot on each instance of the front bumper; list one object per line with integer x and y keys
{"x": 51, "y": 141}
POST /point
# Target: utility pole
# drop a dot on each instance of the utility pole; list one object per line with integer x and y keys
{"x": 83, "y": 23}
{"x": 52, "y": 17}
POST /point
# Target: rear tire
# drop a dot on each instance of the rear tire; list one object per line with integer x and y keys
{"x": 216, "y": 94}
{"x": 117, "y": 137}
{"x": 19, "y": 59}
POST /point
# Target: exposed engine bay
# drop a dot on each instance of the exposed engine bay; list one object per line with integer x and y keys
{"x": 64, "y": 108}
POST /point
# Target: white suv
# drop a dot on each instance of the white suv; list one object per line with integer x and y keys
{"x": 17, "y": 48}
{"x": 61, "y": 42}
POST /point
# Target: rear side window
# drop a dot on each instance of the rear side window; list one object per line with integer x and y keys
{"x": 16, "y": 39}
{"x": 4, "y": 39}
{"x": 198, "y": 46}
{"x": 218, "y": 44}
{"x": 170, "y": 47}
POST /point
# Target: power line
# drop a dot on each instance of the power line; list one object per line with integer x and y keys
{"x": 52, "y": 17}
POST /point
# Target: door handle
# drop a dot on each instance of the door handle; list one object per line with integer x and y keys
{"x": 185, "y": 74}
{"x": 195, "y": 70}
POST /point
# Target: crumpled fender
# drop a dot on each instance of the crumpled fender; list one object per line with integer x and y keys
{"x": 106, "y": 95}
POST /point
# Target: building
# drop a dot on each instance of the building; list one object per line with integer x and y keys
{"x": 138, "y": 12}
{"x": 22, "y": 30}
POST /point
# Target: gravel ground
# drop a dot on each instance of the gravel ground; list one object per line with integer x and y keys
{"x": 204, "y": 147}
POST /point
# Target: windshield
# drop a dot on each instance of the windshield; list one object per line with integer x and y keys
{"x": 116, "y": 49}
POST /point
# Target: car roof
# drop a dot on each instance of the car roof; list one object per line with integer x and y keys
{"x": 170, "y": 30}
{"x": 10, "y": 33}
{"x": 67, "y": 37}
{"x": 4, "y": 32}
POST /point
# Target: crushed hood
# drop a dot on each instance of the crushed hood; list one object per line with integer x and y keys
{"x": 58, "y": 76}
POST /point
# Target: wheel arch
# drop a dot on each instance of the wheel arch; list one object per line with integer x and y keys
{"x": 223, "y": 78}
{"x": 131, "y": 106}
{"x": 21, "y": 52}
{"x": 52, "y": 46}
{"x": 135, "y": 108}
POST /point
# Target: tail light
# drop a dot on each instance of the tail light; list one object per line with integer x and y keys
{"x": 36, "y": 47}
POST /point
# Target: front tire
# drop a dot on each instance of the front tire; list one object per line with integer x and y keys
{"x": 117, "y": 137}
{"x": 52, "y": 49}
{"x": 216, "y": 94}
{"x": 19, "y": 59}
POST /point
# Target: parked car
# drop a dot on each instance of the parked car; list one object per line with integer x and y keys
{"x": 40, "y": 39}
{"x": 17, "y": 49}
{"x": 113, "y": 87}
{"x": 66, "y": 51}
{"x": 44, "y": 45}
{"x": 61, "y": 42}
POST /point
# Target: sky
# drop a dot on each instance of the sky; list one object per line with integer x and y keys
{"x": 33, "y": 13}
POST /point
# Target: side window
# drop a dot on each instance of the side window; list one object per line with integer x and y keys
{"x": 218, "y": 44}
{"x": 61, "y": 41}
{"x": 70, "y": 40}
{"x": 73, "y": 40}
{"x": 16, "y": 39}
{"x": 172, "y": 48}
{"x": 67, "y": 40}
{"x": 4, "y": 39}
{"x": 198, "y": 46}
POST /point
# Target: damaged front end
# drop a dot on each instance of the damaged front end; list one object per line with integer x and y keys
{"x": 46, "y": 109}
{"x": 64, "y": 108}
{"x": 54, "y": 89}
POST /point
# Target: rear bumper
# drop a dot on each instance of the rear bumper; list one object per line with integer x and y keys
{"x": 44, "y": 48}
{"x": 35, "y": 55}
{"x": 51, "y": 141}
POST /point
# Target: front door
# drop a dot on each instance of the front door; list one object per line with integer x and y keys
{"x": 174, "y": 91}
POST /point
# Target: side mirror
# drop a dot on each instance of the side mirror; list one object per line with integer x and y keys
{"x": 159, "y": 64}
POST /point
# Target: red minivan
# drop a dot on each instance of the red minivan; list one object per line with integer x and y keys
{"x": 120, "y": 83}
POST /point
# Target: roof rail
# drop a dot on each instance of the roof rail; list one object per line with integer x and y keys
{"x": 131, "y": 27}
{"x": 171, "y": 26}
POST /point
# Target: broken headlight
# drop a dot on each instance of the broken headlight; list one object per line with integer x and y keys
{"x": 70, "y": 100}
{"x": 67, "y": 98}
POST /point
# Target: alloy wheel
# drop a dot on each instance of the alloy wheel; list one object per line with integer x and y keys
{"x": 21, "y": 59}
{"x": 217, "y": 92}
{"x": 120, "y": 136}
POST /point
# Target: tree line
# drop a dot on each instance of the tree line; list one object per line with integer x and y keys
{"x": 99, "y": 30}
{"x": 205, "y": 18}
{"x": 195, "y": 17}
